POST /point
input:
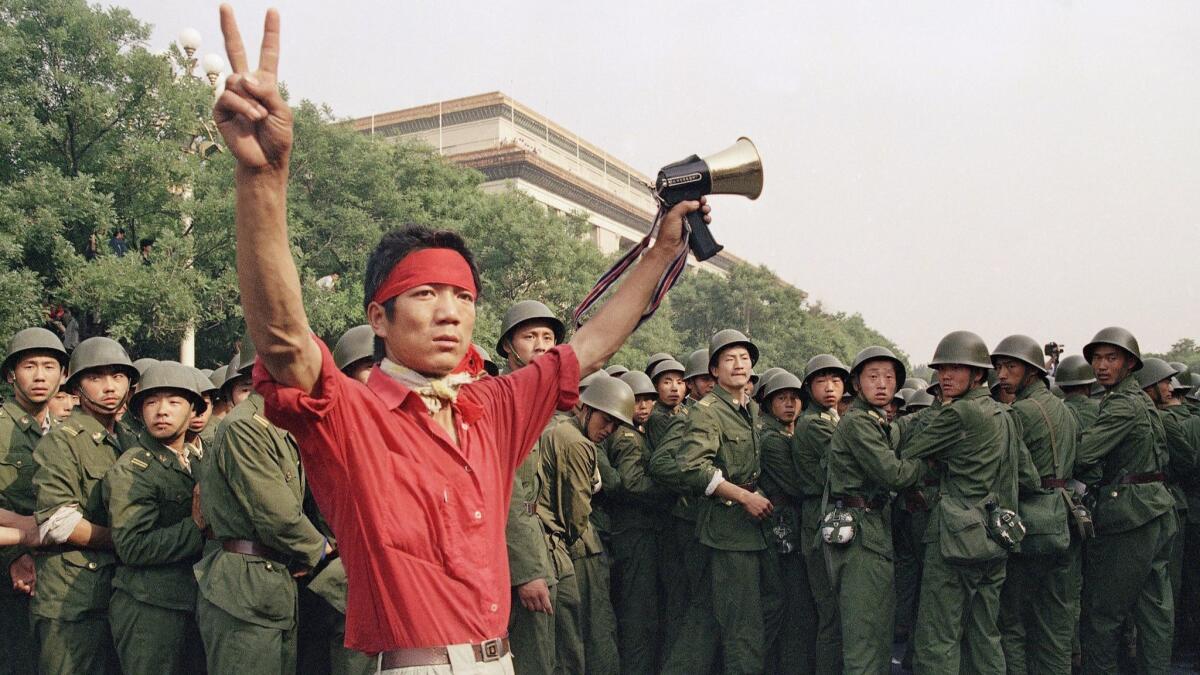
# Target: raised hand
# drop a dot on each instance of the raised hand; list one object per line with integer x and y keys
{"x": 251, "y": 115}
{"x": 670, "y": 234}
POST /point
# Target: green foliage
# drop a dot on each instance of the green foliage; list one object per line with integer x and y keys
{"x": 97, "y": 133}
{"x": 1185, "y": 350}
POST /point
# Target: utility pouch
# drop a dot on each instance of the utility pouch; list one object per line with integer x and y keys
{"x": 964, "y": 532}
{"x": 839, "y": 526}
{"x": 1045, "y": 518}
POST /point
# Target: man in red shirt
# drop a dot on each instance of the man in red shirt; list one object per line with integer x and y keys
{"x": 414, "y": 469}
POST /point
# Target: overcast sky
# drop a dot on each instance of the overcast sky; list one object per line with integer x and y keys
{"x": 1001, "y": 167}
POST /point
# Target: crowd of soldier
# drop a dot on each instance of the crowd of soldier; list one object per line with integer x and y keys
{"x": 689, "y": 517}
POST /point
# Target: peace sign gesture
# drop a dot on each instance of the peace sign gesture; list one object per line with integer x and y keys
{"x": 253, "y": 118}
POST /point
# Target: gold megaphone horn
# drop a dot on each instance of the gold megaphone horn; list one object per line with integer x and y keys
{"x": 736, "y": 170}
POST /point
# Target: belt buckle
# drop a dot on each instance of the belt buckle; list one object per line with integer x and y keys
{"x": 491, "y": 650}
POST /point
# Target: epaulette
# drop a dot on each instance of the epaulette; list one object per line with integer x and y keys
{"x": 71, "y": 430}
{"x": 137, "y": 461}
{"x": 98, "y": 437}
{"x": 262, "y": 420}
{"x": 827, "y": 417}
{"x": 704, "y": 402}
{"x": 877, "y": 416}
{"x": 629, "y": 434}
{"x": 3, "y": 413}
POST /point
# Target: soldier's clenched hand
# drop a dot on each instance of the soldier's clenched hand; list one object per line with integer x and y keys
{"x": 756, "y": 505}
{"x": 535, "y": 596}
{"x": 253, "y": 117}
{"x": 671, "y": 237}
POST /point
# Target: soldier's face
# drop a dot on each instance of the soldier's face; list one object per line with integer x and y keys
{"x": 429, "y": 329}
{"x": 671, "y": 388}
{"x": 35, "y": 378}
{"x": 642, "y": 407}
{"x": 1011, "y": 374}
{"x": 732, "y": 369}
{"x": 240, "y": 389}
{"x": 701, "y": 386}
{"x": 1112, "y": 364}
{"x": 785, "y": 405}
{"x": 1161, "y": 392}
{"x": 877, "y": 382}
{"x": 360, "y": 370}
{"x": 62, "y": 404}
{"x": 827, "y": 388}
{"x": 200, "y": 420}
{"x": 530, "y": 340}
{"x": 599, "y": 426}
{"x": 955, "y": 379}
{"x": 104, "y": 389}
{"x": 166, "y": 414}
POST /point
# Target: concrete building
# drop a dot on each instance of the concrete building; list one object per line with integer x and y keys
{"x": 518, "y": 148}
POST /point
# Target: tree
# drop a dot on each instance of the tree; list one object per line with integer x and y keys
{"x": 1185, "y": 350}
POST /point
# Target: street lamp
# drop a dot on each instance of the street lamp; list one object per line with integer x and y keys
{"x": 213, "y": 66}
{"x": 189, "y": 39}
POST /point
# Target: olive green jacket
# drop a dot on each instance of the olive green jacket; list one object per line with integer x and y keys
{"x": 1085, "y": 409}
{"x": 780, "y": 477}
{"x": 1182, "y": 451}
{"x": 862, "y": 460}
{"x": 664, "y": 435}
{"x": 71, "y": 462}
{"x": 564, "y": 501}
{"x": 19, "y": 434}
{"x": 149, "y": 498}
{"x": 810, "y": 449}
{"x": 1049, "y": 430}
{"x": 252, "y": 488}
{"x": 641, "y": 503}
{"x": 1126, "y": 438}
{"x": 721, "y": 435}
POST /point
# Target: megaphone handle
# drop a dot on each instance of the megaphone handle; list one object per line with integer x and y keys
{"x": 701, "y": 240}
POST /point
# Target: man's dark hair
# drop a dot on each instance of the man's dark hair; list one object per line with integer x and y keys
{"x": 397, "y": 244}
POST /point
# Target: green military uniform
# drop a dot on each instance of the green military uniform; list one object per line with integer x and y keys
{"x": 1125, "y": 575}
{"x": 863, "y": 471}
{"x": 1084, "y": 408}
{"x": 70, "y": 608}
{"x": 149, "y": 498}
{"x": 1181, "y": 471}
{"x": 1040, "y": 592}
{"x": 19, "y": 434}
{"x": 640, "y": 512}
{"x": 741, "y": 591}
{"x": 810, "y": 449}
{"x": 795, "y": 642}
{"x": 252, "y": 492}
{"x": 596, "y": 620}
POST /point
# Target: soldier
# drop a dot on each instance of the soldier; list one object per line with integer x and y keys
{"x": 75, "y": 569}
{"x": 61, "y": 404}
{"x": 33, "y": 367}
{"x": 977, "y": 444}
{"x": 616, "y": 370}
{"x": 202, "y": 430}
{"x": 529, "y": 329}
{"x": 699, "y": 380}
{"x": 157, "y": 530}
{"x": 1041, "y": 591}
{"x": 863, "y": 471}
{"x": 1075, "y": 376}
{"x": 221, "y": 405}
{"x": 321, "y": 638}
{"x": 826, "y": 379}
{"x": 720, "y": 461}
{"x": 783, "y": 483}
{"x": 1126, "y": 572}
{"x": 568, "y": 456}
{"x": 654, "y": 360}
{"x": 640, "y": 512}
{"x": 252, "y": 492}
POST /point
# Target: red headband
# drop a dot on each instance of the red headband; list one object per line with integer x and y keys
{"x": 426, "y": 266}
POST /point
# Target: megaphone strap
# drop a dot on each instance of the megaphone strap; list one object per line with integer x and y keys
{"x": 606, "y": 281}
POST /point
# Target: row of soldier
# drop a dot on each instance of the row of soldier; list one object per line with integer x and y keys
{"x": 668, "y": 524}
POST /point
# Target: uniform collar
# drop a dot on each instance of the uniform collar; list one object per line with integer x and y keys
{"x": 1130, "y": 383}
{"x": 23, "y": 419}
{"x": 91, "y": 427}
{"x": 1033, "y": 389}
{"x": 165, "y": 455}
{"x": 725, "y": 396}
{"x": 395, "y": 395}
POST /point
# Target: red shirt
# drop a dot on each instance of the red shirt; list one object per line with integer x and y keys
{"x": 420, "y": 521}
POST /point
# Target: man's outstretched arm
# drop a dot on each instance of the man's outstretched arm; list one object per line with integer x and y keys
{"x": 256, "y": 124}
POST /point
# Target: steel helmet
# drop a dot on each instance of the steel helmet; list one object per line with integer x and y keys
{"x": 825, "y": 362}
{"x": 354, "y": 345}
{"x": 1022, "y": 348}
{"x": 488, "y": 364}
{"x": 876, "y": 353}
{"x": 1153, "y": 371}
{"x": 763, "y": 380}
{"x": 528, "y": 310}
{"x": 246, "y": 357}
{"x": 591, "y": 379}
{"x": 780, "y": 381}
{"x": 143, "y": 363}
{"x": 203, "y": 384}
{"x": 1074, "y": 371}
{"x": 666, "y": 366}
{"x": 903, "y": 394}
{"x": 611, "y": 396}
{"x": 168, "y": 375}
{"x": 917, "y": 400}
{"x": 99, "y": 352}
{"x": 616, "y": 370}
{"x": 724, "y": 339}
{"x": 1179, "y": 388}
{"x": 915, "y": 383}
{"x": 1117, "y": 337}
{"x": 697, "y": 364}
{"x": 31, "y": 339}
{"x": 639, "y": 382}
{"x": 963, "y": 348}
{"x": 1179, "y": 366}
{"x": 655, "y": 360}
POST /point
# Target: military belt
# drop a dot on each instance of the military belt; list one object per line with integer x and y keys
{"x": 488, "y": 650}
{"x": 1050, "y": 483}
{"x": 848, "y": 501}
{"x": 1139, "y": 478}
{"x": 247, "y": 547}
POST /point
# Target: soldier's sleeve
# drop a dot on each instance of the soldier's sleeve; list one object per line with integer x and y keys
{"x": 911, "y": 425}
{"x": 877, "y": 459}
{"x": 698, "y": 448}
{"x": 259, "y": 485}
{"x": 133, "y": 512}
{"x": 526, "y": 545}
{"x": 1179, "y": 447}
{"x": 576, "y": 463}
{"x": 610, "y": 481}
{"x": 816, "y": 434}
{"x": 664, "y": 466}
{"x": 1105, "y": 434}
{"x": 777, "y": 462}
{"x": 55, "y": 480}
{"x": 942, "y": 433}
{"x": 630, "y": 463}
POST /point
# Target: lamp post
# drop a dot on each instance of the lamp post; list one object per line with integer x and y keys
{"x": 203, "y": 145}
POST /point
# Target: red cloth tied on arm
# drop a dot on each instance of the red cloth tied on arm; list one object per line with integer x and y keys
{"x": 433, "y": 266}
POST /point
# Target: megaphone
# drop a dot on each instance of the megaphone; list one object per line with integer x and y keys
{"x": 736, "y": 170}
